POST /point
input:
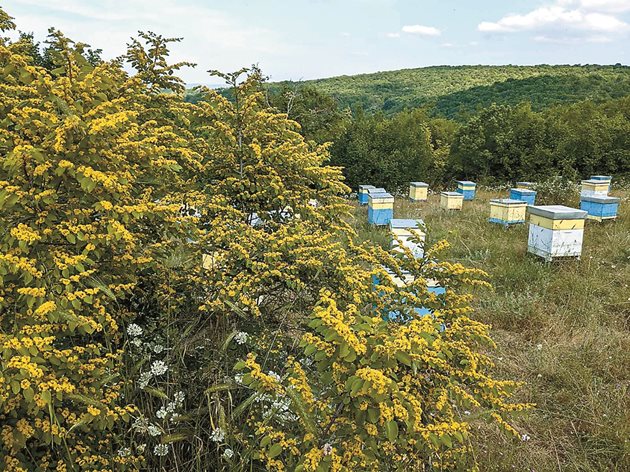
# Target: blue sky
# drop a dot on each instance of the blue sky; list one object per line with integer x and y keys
{"x": 303, "y": 39}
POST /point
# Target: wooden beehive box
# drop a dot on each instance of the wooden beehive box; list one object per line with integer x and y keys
{"x": 467, "y": 189}
{"x": 507, "y": 211}
{"x": 555, "y": 231}
{"x": 600, "y": 208}
{"x": 523, "y": 194}
{"x": 594, "y": 188}
{"x": 411, "y": 234}
{"x": 363, "y": 193}
{"x": 603, "y": 178}
{"x": 380, "y": 208}
{"x": 418, "y": 191}
{"x": 451, "y": 200}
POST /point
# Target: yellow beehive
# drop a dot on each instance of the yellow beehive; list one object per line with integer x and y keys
{"x": 506, "y": 211}
{"x": 451, "y": 200}
{"x": 594, "y": 188}
{"x": 418, "y": 191}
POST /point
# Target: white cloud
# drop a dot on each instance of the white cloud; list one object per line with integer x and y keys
{"x": 555, "y": 17}
{"x": 392, "y": 35}
{"x": 421, "y": 30}
{"x": 567, "y": 22}
{"x": 447, "y": 45}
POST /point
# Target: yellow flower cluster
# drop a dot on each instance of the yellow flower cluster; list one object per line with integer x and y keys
{"x": 23, "y": 233}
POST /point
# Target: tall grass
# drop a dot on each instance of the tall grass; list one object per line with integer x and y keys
{"x": 563, "y": 328}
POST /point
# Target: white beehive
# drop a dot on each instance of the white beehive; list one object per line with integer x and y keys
{"x": 411, "y": 234}
{"x": 555, "y": 231}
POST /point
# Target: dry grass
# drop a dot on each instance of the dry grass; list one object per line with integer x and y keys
{"x": 562, "y": 328}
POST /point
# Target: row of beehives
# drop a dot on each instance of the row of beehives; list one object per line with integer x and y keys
{"x": 554, "y": 230}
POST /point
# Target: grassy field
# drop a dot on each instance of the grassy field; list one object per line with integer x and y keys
{"x": 562, "y": 328}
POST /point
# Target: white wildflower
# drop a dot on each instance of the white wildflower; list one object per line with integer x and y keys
{"x": 154, "y": 430}
{"x": 136, "y": 342}
{"x": 525, "y": 437}
{"x": 144, "y": 379}
{"x": 160, "y": 450}
{"x": 158, "y": 367}
{"x": 161, "y": 413}
{"x": 158, "y": 348}
{"x": 124, "y": 452}
{"x": 141, "y": 448}
{"x": 539, "y": 347}
{"x": 178, "y": 398}
{"x": 228, "y": 453}
{"x": 134, "y": 330}
{"x": 238, "y": 378}
{"x": 466, "y": 412}
{"x": 241, "y": 337}
{"x": 327, "y": 448}
{"x": 218, "y": 435}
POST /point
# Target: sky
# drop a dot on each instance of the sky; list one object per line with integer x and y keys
{"x": 306, "y": 39}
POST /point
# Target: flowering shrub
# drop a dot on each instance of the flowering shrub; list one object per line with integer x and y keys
{"x": 150, "y": 242}
{"x": 366, "y": 393}
{"x": 81, "y": 180}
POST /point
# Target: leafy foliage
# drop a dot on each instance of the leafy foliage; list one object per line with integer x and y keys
{"x": 84, "y": 198}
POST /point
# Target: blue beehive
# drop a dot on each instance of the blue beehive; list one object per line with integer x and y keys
{"x": 466, "y": 188}
{"x": 524, "y": 195}
{"x": 380, "y": 208}
{"x": 600, "y": 208}
{"x": 363, "y": 193}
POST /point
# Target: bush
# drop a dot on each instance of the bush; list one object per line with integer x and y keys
{"x": 83, "y": 196}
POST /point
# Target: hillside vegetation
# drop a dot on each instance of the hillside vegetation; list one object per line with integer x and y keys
{"x": 458, "y": 90}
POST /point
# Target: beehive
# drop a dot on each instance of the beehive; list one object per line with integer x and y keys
{"x": 507, "y": 211}
{"x": 380, "y": 208}
{"x": 555, "y": 231}
{"x": 467, "y": 189}
{"x": 600, "y": 208}
{"x": 411, "y": 234}
{"x": 529, "y": 185}
{"x": 395, "y": 315}
{"x": 524, "y": 195}
{"x": 363, "y": 193}
{"x": 594, "y": 188}
{"x": 603, "y": 178}
{"x": 418, "y": 191}
{"x": 451, "y": 200}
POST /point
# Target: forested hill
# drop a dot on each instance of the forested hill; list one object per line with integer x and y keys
{"x": 458, "y": 91}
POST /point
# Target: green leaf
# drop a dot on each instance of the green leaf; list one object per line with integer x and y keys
{"x": 392, "y": 430}
{"x": 403, "y": 357}
{"x": 275, "y": 450}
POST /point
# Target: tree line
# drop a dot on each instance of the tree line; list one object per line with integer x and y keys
{"x": 499, "y": 143}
